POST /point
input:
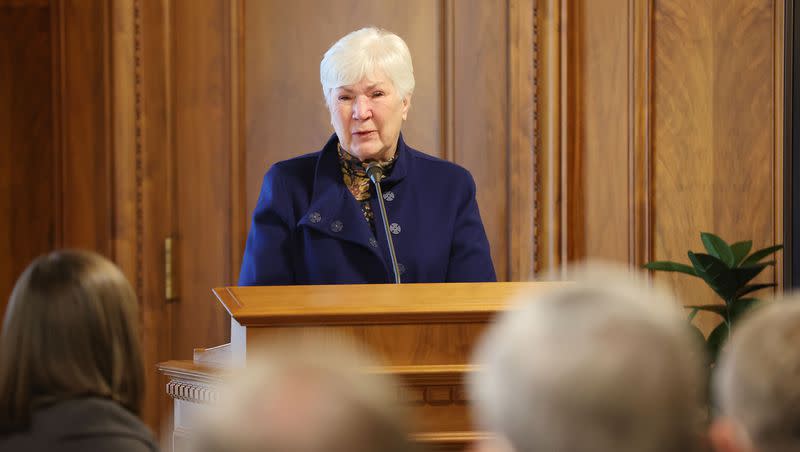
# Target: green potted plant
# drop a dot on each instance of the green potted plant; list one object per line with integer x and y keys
{"x": 728, "y": 270}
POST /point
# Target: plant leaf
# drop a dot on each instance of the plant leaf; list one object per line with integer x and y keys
{"x": 764, "y": 264}
{"x": 741, "y": 307}
{"x": 752, "y": 288}
{"x": 717, "y": 275}
{"x": 716, "y": 340}
{"x": 744, "y": 274}
{"x": 668, "y": 266}
{"x": 761, "y": 254}
{"x": 718, "y": 248}
{"x": 719, "y": 309}
{"x": 740, "y": 250}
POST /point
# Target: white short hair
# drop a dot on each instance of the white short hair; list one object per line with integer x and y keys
{"x": 756, "y": 379}
{"x": 601, "y": 367}
{"x": 361, "y": 54}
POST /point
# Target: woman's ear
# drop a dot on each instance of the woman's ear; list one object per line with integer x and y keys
{"x": 406, "y": 106}
{"x": 725, "y": 435}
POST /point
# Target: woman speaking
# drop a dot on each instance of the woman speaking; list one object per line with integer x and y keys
{"x": 318, "y": 219}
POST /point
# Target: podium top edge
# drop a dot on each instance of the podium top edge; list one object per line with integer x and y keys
{"x": 372, "y": 303}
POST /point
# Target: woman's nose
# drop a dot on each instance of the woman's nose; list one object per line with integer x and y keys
{"x": 361, "y": 108}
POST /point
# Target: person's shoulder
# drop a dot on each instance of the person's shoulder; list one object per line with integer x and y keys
{"x": 92, "y": 420}
{"x": 443, "y": 169}
{"x": 300, "y": 164}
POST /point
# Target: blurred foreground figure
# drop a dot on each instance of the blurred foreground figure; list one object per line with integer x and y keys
{"x": 603, "y": 365}
{"x": 757, "y": 383}
{"x": 71, "y": 371}
{"x": 307, "y": 395}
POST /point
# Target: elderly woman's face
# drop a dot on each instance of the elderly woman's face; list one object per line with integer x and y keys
{"x": 367, "y": 117}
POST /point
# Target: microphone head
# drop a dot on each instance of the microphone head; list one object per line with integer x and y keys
{"x": 375, "y": 172}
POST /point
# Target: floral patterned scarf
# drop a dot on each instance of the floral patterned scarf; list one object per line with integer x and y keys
{"x": 355, "y": 177}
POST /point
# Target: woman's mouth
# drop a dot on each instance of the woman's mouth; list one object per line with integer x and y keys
{"x": 363, "y": 134}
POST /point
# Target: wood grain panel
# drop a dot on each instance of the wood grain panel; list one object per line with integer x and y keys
{"x": 397, "y": 345}
{"x": 598, "y": 169}
{"x": 85, "y": 124}
{"x": 714, "y": 147}
{"x": 27, "y": 150}
{"x": 481, "y": 114}
{"x": 154, "y": 190}
{"x": 285, "y": 112}
{"x": 202, "y": 138}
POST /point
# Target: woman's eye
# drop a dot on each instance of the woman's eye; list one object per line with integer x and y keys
{"x": 344, "y": 97}
{"x": 378, "y": 94}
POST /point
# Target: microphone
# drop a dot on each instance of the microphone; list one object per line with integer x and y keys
{"x": 375, "y": 173}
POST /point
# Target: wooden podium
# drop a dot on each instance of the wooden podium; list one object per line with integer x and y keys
{"x": 423, "y": 332}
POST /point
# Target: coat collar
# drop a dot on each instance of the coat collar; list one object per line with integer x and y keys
{"x": 331, "y": 201}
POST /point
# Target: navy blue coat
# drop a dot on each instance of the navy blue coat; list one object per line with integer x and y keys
{"x": 309, "y": 229}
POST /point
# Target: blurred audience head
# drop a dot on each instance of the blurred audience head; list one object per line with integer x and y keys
{"x": 757, "y": 382}
{"x": 602, "y": 364}
{"x": 307, "y": 394}
{"x": 69, "y": 331}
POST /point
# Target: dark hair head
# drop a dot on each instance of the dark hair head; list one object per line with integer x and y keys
{"x": 69, "y": 331}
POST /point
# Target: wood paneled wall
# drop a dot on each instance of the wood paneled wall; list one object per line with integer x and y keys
{"x": 617, "y": 129}
{"x": 27, "y": 140}
{"x": 717, "y": 142}
{"x": 674, "y": 126}
{"x": 56, "y": 142}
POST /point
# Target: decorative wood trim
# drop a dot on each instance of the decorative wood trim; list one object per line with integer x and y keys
{"x": 420, "y": 385}
{"x": 238, "y": 187}
{"x": 571, "y": 158}
{"x": 428, "y": 375}
{"x": 108, "y": 127}
{"x": 60, "y": 117}
{"x": 640, "y": 63}
{"x": 450, "y": 438}
{"x": 521, "y": 154}
{"x": 549, "y": 79}
{"x": 192, "y": 391}
{"x": 171, "y": 165}
{"x": 448, "y": 82}
{"x": 188, "y": 371}
{"x": 787, "y": 139}
{"x": 779, "y": 169}
{"x": 438, "y": 395}
{"x": 355, "y": 319}
{"x": 138, "y": 150}
{"x": 536, "y": 143}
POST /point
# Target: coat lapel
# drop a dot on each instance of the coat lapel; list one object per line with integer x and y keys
{"x": 333, "y": 211}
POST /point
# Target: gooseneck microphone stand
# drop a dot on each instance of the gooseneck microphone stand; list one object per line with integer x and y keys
{"x": 375, "y": 173}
